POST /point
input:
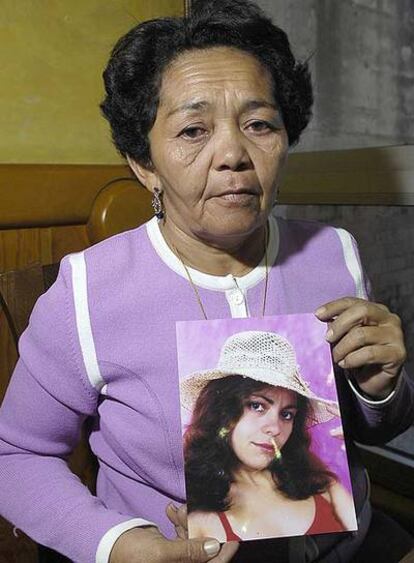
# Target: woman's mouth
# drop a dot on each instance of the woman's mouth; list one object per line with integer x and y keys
{"x": 236, "y": 198}
{"x": 265, "y": 447}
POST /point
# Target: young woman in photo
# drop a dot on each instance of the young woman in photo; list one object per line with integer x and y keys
{"x": 250, "y": 471}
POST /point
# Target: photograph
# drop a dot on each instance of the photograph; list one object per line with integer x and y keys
{"x": 262, "y": 434}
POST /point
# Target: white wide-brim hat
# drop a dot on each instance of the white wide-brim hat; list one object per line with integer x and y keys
{"x": 262, "y": 356}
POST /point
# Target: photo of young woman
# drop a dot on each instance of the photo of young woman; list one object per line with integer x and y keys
{"x": 250, "y": 471}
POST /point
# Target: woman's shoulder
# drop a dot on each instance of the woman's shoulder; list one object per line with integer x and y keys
{"x": 127, "y": 254}
{"x": 307, "y": 228}
{"x": 122, "y": 243}
{"x": 316, "y": 240}
{"x": 205, "y": 524}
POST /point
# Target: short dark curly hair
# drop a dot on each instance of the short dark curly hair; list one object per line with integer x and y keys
{"x": 134, "y": 71}
{"x": 210, "y": 462}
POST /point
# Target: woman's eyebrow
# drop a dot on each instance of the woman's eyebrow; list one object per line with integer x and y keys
{"x": 264, "y": 397}
{"x": 251, "y": 105}
{"x": 189, "y": 106}
{"x": 202, "y": 105}
{"x": 271, "y": 401}
{"x": 292, "y": 406}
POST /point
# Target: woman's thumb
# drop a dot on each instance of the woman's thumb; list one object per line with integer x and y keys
{"x": 195, "y": 551}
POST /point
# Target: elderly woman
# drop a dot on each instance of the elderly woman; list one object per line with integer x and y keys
{"x": 204, "y": 109}
{"x": 249, "y": 469}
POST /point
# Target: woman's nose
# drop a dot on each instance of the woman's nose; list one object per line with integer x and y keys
{"x": 271, "y": 426}
{"x": 230, "y": 152}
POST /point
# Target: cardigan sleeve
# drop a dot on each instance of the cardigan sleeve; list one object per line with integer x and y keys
{"x": 48, "y": 399}
{"x": 377, "y": 422}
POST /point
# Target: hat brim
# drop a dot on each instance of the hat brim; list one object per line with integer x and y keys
{"x": 322, "y": 410}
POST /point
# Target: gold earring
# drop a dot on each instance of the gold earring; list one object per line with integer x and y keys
{"x": 223, "y": 432}
{"x": 157, "y": 203}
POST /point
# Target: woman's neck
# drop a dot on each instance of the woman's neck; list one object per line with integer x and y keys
{"x": 253, "y": 478}
{"x": 238, "y": 257}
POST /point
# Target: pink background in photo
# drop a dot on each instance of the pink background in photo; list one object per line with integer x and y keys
{"x": 199, "y": 344}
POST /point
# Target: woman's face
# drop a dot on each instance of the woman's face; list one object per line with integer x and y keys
{"x": 268, "y": 414}
{"x": 218, "y": 144}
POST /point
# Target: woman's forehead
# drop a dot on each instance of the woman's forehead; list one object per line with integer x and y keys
{"x": 277, "y": 394}
{"x": 197, "y": 77}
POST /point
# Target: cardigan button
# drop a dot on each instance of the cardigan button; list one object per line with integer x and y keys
{"x": 236, "y": 297}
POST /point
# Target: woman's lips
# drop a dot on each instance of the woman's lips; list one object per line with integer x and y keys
{"x": 268, "y": 448}
{"x": 236, "y": 197}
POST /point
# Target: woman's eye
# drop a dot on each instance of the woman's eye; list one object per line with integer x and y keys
{"x": 288, "y": 415}
{"x": 256, "y": 406}
{"x": 193, "y": 132}
{"x": 260, "y": 127}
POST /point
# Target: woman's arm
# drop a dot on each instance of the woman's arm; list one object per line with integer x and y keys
{"x": 40, "y": 420}
{"x": 343, "y": 505}
{"x": 368, "y": 348}
{"x": 48, "y": 399}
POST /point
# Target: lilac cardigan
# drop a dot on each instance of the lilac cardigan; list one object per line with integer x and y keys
{"x": 101, "y": 344}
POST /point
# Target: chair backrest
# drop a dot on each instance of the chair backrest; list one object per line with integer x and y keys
{"x": 19, "y": 291}
{"x": 122, "y": 204}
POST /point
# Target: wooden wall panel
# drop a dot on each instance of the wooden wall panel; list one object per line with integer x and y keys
{"x": 39, "y": 195}
{"x": 22, "y": 247}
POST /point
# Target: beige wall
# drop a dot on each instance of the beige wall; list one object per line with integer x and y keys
{"x": 53, "y": 53}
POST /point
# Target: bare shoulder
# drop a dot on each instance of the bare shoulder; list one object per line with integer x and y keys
{"x": 336, "y": 490}
{"x": 343, "y": 505}
{"x": 205, "y": 524}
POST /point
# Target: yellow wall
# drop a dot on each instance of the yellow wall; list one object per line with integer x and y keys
{"x": 53, "y": 53}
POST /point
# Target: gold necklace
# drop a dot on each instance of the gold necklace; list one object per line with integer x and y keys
{"x": 195, "y": 289}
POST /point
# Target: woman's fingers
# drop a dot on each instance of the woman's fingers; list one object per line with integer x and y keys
{"x": 178, "y": 517}
{"x": 337, "y": 432}
{"x": 347, "y": 313}
{"x": 192, "y": 551}
{"x": 381, "y": 339}
{"x": 147, "y": 545}
{"x": 367, "y": 338}
{"x": 384, "y": 356}
{"x": 227, "y": 552}
{"x": 201, "y": 550}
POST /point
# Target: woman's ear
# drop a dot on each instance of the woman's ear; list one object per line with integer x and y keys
{"x": 145, "y": 174}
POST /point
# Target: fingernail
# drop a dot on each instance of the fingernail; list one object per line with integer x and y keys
{"x": 320, "y": 311}
{"x": 211, "y": 547}
{"x": 329, "y": 334}
{"x": 341, "y": 363}
{"x": 172, "y": 505}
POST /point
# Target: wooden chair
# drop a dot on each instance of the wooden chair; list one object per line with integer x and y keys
{"x": 120, "y": 205}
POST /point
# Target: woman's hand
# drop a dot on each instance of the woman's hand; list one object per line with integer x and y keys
{"x": 178, "y": 517}
{"x": 367, "y": 339}
{"x": 148, "y": 545}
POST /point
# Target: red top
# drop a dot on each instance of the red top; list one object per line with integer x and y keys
{"x": 324, "y": 521}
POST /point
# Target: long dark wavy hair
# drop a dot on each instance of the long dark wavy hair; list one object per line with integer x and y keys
{"x": 210, "y": 462}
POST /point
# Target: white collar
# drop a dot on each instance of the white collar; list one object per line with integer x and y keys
{"x": 209, "y": 281}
